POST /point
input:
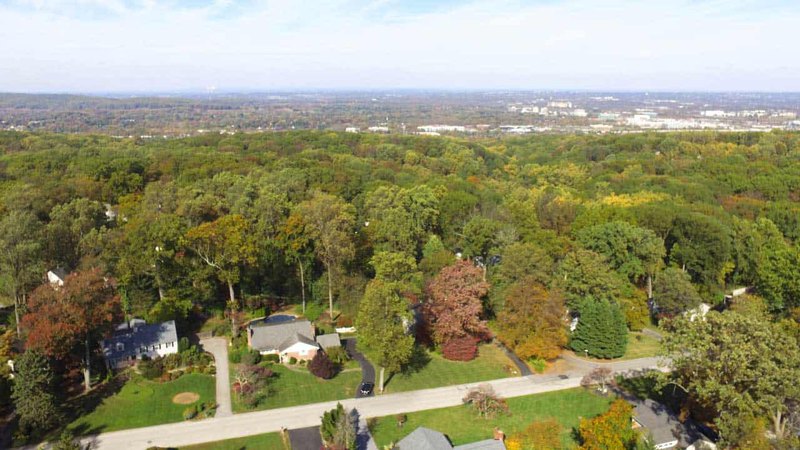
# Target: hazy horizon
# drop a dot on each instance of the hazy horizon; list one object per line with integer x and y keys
{"x": 103, "y": 47}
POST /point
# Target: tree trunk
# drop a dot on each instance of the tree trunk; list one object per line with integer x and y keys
{"x": 381, "y": 380}
{"x": 87, "y": 368}
{"x": 330, "y": 293}
{"x": 485, "y": 268}
{"x": 302, "y": 286}
{"x": 779, "y": 424}
{"x": 158, "y": 284}
{"x": 233, "y": 308}
{"x": 649, "y": 286}
{"x": 16, "y": 315}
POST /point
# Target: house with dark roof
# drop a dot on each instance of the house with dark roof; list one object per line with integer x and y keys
{"x": 426, "y": 439}
{"x": 57, "y": 276}
{"x": 661, "y": 427}
{"x": 135, "y": 339}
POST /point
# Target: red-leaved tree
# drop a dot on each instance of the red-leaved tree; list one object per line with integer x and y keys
{"x": 460, "y": 349}
{"x": 453, "y": 308}
{"x": 64, "y": 322}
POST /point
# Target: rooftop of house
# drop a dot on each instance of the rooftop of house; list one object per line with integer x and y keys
{"x": 137, "y": 335}
{"x": 276, "y": 336}
{"x": 662, "y": 424}
{"x": 329, "y": 340}
{"x": 59, "y": 272}
{"x": 426, "y": 439}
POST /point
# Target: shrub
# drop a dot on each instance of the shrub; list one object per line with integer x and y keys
{"x": 337, "y": 355}
{"x": 151, "y": 368}
{"x": 485, "y": 401}
{"x": 190, "y": 413}
{"x": 273, "y": 358}
{"x": 250, "y": 357}
{"x": 460, "y": 349}
{"x": 183, "y": 344}
{"x": 321, "y": 366}
{"x": 545, "y": 435}
{"x": 313, "y": 311}
{"x": 344, "y": 321}
{"x": 292, "y": 360}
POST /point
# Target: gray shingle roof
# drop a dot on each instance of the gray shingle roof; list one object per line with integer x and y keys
{"x": 271, "y": 337}
{"x": 424, "y": 439}
{"x": 488, "y": 444}
{"x": 138, "y": 337}
{"x": 329, "y": 340}
{"x": 662, "y": 425}
{"x": 294, "y": 339}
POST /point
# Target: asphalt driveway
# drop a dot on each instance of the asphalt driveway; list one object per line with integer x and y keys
{"x": 305, "y": 438}
{"x": 367, "y": 370}
{"x": 219, "y": 348}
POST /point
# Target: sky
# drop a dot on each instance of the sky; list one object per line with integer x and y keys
{"x": 152, "y": 46}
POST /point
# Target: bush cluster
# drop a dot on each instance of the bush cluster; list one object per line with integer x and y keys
{"x": 460, "y": 349}
{"x": 192, "y": 360}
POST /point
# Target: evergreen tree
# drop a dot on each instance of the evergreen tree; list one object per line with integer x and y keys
{"x": 34, "y": 393}
{"x": 601, "y": 330}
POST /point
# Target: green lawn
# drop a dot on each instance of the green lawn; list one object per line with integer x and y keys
{"x": 462, "y": 425}
{"x": 641, "y": 345}
{"x": 490, "y": 364}
{"x": 142, "y": 403}
{"x": 297, "y": 386}
{"x": 270, "y": 441}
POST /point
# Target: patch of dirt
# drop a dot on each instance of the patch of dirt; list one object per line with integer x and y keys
{"x": 186, "y": 398}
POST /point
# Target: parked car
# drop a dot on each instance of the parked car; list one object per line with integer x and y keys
{"x": 366, "y": 388}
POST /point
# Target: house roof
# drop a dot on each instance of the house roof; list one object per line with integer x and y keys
{"x": 488, "y": 444}
{"x": 137, "y": 337}
{"x": 329, "y": 340}
{"x": 294, "y": 339}
{"x": 662, "y": 425}
{"x": 271, "y": 336}
{"x": 424, "y": 439}
{"x": 59, "y": 272}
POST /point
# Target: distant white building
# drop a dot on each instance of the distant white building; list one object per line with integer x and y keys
{"x": 379, "y": 129}
{"x": 352, "y": 130}
{"x": 559, "y": 104}
{"x": 442, "y": 128}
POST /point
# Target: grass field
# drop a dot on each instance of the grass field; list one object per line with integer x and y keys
{"x": 490, "y": 364}
{"x": 462, "y": 425}
{"x": 641, "y": 345}
{"x": 271, "y": 441}
{"x": 142, "y": 403}
{"x": 297, "y": 386}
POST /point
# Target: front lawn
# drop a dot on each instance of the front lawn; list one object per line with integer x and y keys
{"x": 490, "y": 364}
{"x": 297, "y": 386}
{"x": 641, "y": 345}
{"x": 270, "y": 441}
{"x": 142, "y": 403}
{"x": 462, "y": 425}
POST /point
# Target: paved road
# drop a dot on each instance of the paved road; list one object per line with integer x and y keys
{"x": 219, "y": 348}
{"x": 240, "y": 425}
{"x": 367, "y": 370}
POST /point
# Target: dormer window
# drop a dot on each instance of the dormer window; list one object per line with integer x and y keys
{"x": 120, "y": 347}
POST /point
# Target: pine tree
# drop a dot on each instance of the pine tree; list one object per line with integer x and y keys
{"x": 601, "y": 330}
{"x": 34, "y": 395}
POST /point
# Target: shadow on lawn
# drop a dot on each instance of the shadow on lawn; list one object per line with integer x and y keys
{"x": 86, "y": 404}
{"x": 419, "y": 360}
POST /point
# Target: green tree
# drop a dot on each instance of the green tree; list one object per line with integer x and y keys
{"x": 585, "y": 274}
{"x": 601, "y": 330}
{"x": 383, "y": 323}
{"x": 399, "y": 219}
{"x": 674, "y": 292}
{"x": 226, "y": 245}
{"x": 330, "y": 222}
{"x": 72, "y": 226}
{"x": 20, "y": 259}
{"x": 736, "y": 365}
{"x": 397, "y": 267}
{"x": 480, "y": 239}
{"x": 777, "y": 271}
{"x": 35, "y": 393}
{"x": 634, "y": 252}
{"x": 703, "y": 246}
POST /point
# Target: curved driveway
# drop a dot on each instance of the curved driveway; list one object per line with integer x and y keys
{"x": 367, "y": 370}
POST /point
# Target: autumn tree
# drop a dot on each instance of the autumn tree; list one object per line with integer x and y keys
{"x": 35, "y": 393}
{"x": 485, "y": 401}
{"x": 383, "y": 322}
{"x": 65, "y": 323}
{"x": 453, "y": 307}
{"x": 600, "y": 377}
{"x": 329, "y": 222}
{"x": 532, "y": 322}
{"x": 610, "y": 430}
{"x": 297, "y": 247}
{"x": 20, "y": 258}
{"x": 226, "y": 245}
{"x": 538, "y": 435}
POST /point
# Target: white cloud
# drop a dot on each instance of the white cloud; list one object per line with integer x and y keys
{"x": 267, "y": 44}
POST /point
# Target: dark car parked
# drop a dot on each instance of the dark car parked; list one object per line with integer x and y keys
{"x": 366, "y": 388}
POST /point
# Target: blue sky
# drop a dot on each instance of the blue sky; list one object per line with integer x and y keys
{"x": 260, "y": 45}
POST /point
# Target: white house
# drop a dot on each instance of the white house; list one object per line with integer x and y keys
{"x": 135, "y": 339}
{"x": 56, "y": 276}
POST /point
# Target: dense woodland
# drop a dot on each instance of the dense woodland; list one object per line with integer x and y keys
{"x": 464, "y": 239}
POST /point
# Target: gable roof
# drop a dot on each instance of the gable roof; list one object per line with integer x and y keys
{"x": 424, "y": 439}
{"x": 329, "y": 340}
{"x": 487, "y": 444}
{"x": 138, "y": 337}
{"x": 272, "y": 336}
{"x": 662, "y": 425}
{"x": 294, "y": 339}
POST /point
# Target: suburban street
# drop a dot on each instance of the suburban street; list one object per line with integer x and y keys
{"x": 240, "y": 425}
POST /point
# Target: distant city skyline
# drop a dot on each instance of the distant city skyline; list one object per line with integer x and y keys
{"x": 151, "y": 46}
